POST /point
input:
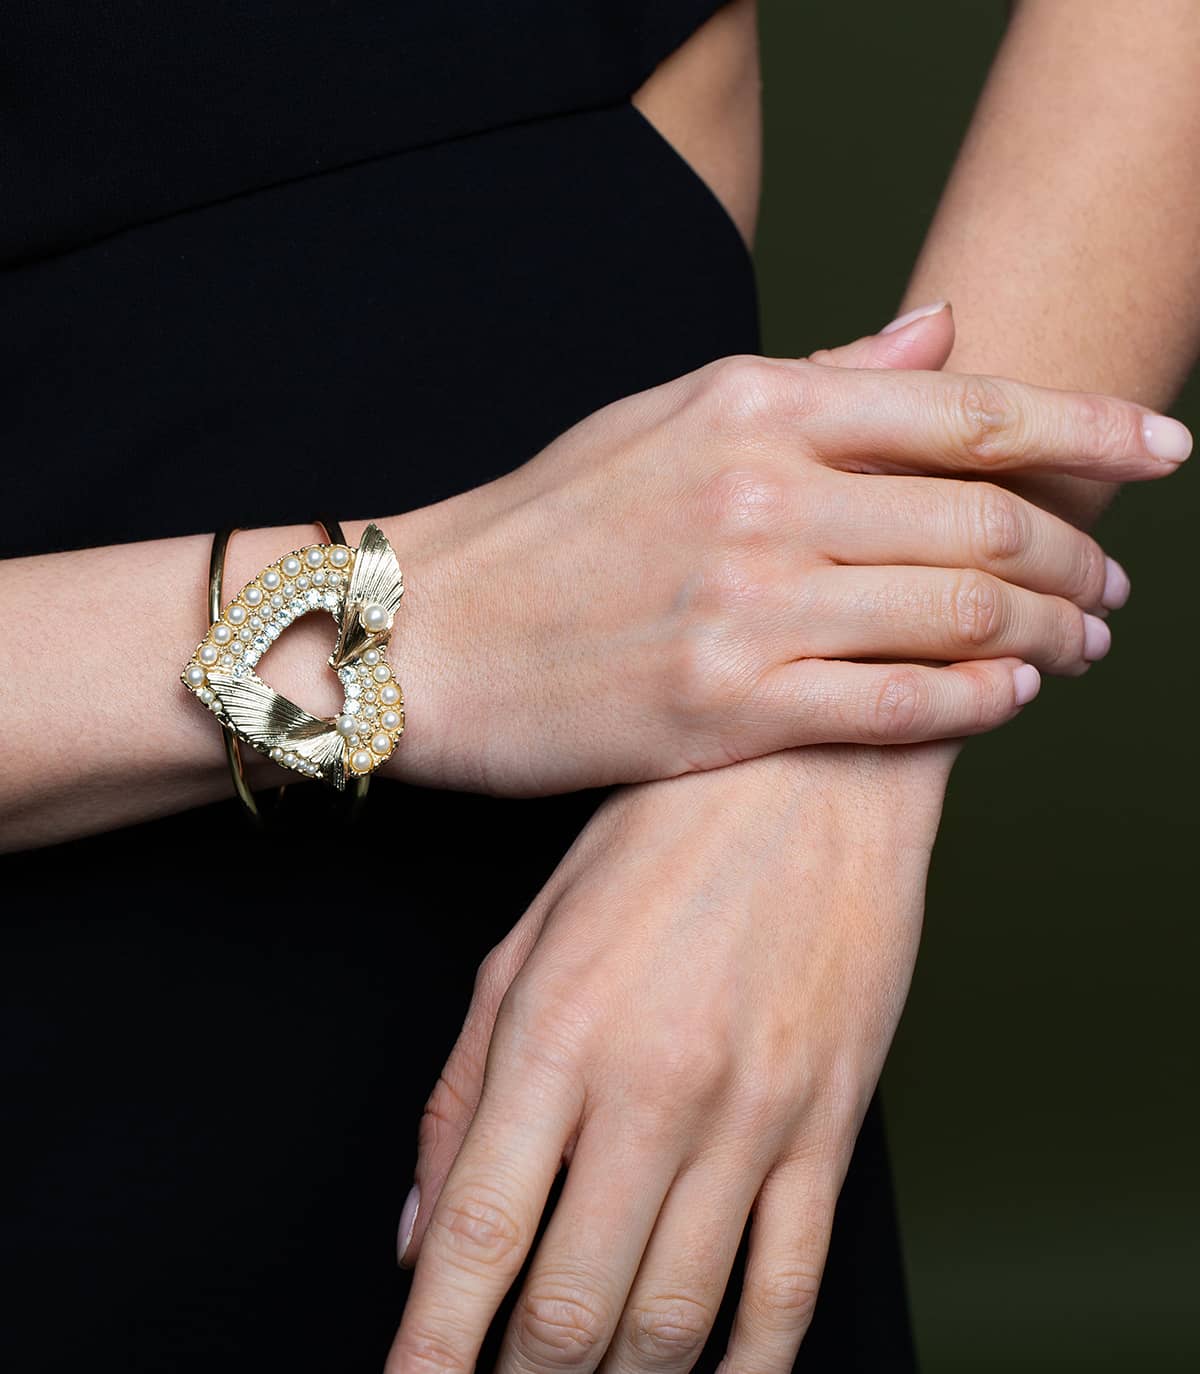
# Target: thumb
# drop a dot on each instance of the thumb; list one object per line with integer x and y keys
{"x": 921, "y": 339}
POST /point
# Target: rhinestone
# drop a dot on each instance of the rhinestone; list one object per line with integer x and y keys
{"x": 312, "y": 596}
{"x": 353, "y": 689}
{"x": 298, "y": 607}
{"x": 273, "y": 631}
{"x": 330, "y": 599}
{"x": 346, "y": 674}
{"x": 240, "y": 669}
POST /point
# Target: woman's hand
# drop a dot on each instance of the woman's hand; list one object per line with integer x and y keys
{"x": 699, "y": 1043}
{"x": 675, "y": 583}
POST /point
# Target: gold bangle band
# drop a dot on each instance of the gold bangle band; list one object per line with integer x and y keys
{"x": 362, "y": 588}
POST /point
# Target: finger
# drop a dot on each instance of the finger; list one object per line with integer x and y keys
{"x": 922, "y": 422}
{"x": 789, "y": 1240}
{"x": 921, "y": 339}
{"x": 673, "y": 1303}
{"x": 483, "y": 1224}
{"x": 815, "y": 701}
{"x": 947, "y": 614}
{"x": 937, "y": 522}
{"x": 450, "y": 1107}
{"x": 572, "y": 1298}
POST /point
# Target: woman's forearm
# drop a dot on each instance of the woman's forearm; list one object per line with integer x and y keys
{"x": 98, "y": 731}
{"x": 1066, "y": 235}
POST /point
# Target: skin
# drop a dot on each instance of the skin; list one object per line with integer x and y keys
{"x": 813, "y": 870}
{"x": 791, "y": 543}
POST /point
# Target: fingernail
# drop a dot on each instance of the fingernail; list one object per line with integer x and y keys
{"x": 1166, "y": 439}
{"x": 920, "y": 313}
{"x": 1097, "y": 638}
{"x": 408, "y": 1223}
{"x": 1116, "y": 585}
{"x": 1028, "y": 682}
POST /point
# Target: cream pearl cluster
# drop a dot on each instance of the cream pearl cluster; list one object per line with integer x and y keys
{"x": 316, "y": 578}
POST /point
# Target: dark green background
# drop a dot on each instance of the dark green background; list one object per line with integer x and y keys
{"x": 1041, "y": 1094}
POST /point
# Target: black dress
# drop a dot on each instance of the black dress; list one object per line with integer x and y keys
{"x": 259, "y": 260}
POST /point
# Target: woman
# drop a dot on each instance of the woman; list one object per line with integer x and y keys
{"x": 275, "y": 262}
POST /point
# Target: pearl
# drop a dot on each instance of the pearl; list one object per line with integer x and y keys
{"x": 208, "y": 654}
{"x": 339, "y": 557}
{"x": 371, "y": 657}
{"x": 381, "y": 743}
{"x": 361, "y": 761}
{"x": 290, "y": 759}
{"x": 290, "y": 565}
{"x": 206, "y": 696}
{"x": 382, "y": 672}
{"x": 195, "y": 675}
{"x": 270, "y": 579}
{"x": 390, "y": 720}
{"x": 246, "y": 635}
{"x": 389, "y": 695}
{"x": 252, "y": 596}
{"x": 374, "y": 618}
{"x": 226, "y": 660}
{"x": 319, "y": 578}
{"x": 346, "y": 725}
{"x": 222, "y": 634}
{"x": 277, "y": 600}
{"x": 314, "y": 557}
{"x": 235, "y": 614}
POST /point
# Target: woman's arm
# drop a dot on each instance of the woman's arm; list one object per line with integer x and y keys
{"x": 1067, "y": 234}
{"x": 671, "y": 585}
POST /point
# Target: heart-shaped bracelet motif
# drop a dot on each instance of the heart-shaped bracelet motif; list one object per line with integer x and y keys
{"x": 361, "y": 588}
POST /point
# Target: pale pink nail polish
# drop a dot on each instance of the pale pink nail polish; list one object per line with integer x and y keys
{"x": 1097, "y": 638}
{"x": 1028, "y": 682}
{"x": 1166, "y": 439}
{"x": 920, "y": 313}
{"x": 408, "y": 1222}
{"x": 1116, "y": 585}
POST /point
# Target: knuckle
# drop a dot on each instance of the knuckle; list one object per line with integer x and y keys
{"x": 743, "y": 500}
{"x": 422, "y": 1350}
{"x": 543, "y": 1025}
{"x": 443, "y": 1117}
{"x": 974, "y": 609}
{"x": 1002, "y": 528}
{"x": 669, "y": 1330}
{"x": 1089, "y": 577}
{"x": 984, "y": 418}
{"x": 895, "y": 706}
{"x": 743, "y": 390}
{"x": 560, "y": 1322}
{"x": 785, "y": 1296}
{"x": 476, "y": 1226}
{"x": 1071, "y": 635}
{"x": 1106, "y": 426}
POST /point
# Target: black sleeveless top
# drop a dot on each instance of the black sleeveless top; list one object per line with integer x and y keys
{"x": 260, "y": 259}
